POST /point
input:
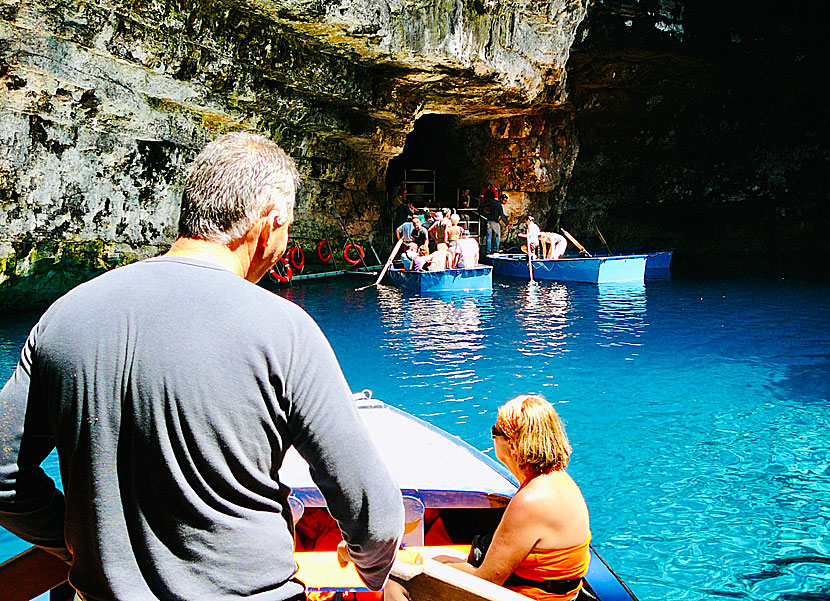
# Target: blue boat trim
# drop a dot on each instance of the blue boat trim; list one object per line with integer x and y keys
{"x": 604, "y": 581}
{"x": 449, "y": 280}
{"x": 593, "y": 270}
{"x": 657, "y": 262}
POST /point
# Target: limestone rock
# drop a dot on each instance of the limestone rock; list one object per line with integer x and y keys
{"x": 103, "y": 105}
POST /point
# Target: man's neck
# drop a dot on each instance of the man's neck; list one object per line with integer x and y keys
{"x": 211, "y": 252}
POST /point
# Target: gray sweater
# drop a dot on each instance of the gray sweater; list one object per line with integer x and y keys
{"x": 172, "y": 389}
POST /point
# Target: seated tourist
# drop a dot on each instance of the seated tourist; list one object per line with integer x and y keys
{"x": 440, "y": 259}
{"x": 409, "y": 255}
{"x": 540, "y": 547}
{"x": 423, "y": 258}
{"x": 466, "y": 252}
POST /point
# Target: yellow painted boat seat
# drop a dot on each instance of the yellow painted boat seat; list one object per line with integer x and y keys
{"x": 320, "y": 571}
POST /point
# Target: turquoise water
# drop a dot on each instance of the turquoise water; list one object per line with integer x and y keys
{"x": 699, "y": 411}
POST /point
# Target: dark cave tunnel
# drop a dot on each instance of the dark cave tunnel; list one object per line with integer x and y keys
{"x": 434, "y": 163}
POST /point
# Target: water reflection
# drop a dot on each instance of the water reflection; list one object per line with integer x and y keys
{"x": 621, "y": 310}
{"x": 444, "y": 333}
{"x": 543, "y": 312}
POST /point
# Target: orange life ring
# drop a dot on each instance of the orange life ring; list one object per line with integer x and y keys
{"x": 297, "y": 257}
{"x": 321, "y": 248}
{"x": 287, "y": 274}
{"x": 348, "y": 259}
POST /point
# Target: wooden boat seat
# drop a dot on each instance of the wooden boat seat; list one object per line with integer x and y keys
{"x": 426, "y": 579}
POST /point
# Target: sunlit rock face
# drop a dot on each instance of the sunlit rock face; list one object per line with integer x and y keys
{"x": 104, "y": 104}
{"x": 693, "y": 125}
{"x": 701, "y": 127}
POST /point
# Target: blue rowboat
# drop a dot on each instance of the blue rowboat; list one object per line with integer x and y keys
{"x": 440, "y": 476}
{"x": 594, "y": 270}
{"x": 449, "y": 280}
{"x": 657, "y": 262}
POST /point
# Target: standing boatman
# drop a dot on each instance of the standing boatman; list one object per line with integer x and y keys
{"x": 532, "y": 234}
{"x": 172, "y": 389}
{"x": 495, "y": 217}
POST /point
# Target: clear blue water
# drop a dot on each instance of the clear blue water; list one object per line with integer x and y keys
{"x": 699, "y": 410}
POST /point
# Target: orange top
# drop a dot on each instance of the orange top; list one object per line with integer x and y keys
{"x": 553, "y": 564}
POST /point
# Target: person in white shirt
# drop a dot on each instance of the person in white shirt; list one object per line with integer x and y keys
{"x": 532, "y": 235}
{"x": 466, "y": 252}
{"x": 553, "y": 245}
{"x": 440, "y": 259}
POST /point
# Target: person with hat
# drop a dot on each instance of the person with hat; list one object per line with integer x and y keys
{"x": 409, "y": 255}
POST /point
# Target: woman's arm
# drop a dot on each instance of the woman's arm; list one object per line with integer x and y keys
{"x": 515, "y": 537}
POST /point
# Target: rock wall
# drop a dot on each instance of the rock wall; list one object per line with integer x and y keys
{"x": 698, "y": 126}
{"x": 102, "y": 105}
{"x": 701, "y": 128}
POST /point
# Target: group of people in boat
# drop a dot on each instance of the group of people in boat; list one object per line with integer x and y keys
{"x": 428, "y": 228}
{"x": 172, "y": 412}
{"x": 440, "y": 245}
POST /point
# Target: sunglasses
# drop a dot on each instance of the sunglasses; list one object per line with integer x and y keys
{"x": 494, "y": 431}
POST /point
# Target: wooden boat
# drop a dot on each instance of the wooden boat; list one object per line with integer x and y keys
{"x": 443, "y": 480}
{"x": 479, "y": 277}
{"x": 594, "y": 270}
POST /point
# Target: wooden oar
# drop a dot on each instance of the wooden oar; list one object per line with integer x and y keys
{"x": 575, "y": 243}
{"x": 529, "y": 261}
{"x": 608, "y": 248}
{"x": 385, "y": 267}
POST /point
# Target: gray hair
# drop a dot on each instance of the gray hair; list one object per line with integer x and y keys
{"x": 235, "y": 180}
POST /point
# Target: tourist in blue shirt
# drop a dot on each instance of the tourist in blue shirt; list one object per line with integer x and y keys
{"x": 409, "y": 230}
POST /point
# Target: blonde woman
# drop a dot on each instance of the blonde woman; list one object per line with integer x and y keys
{"x": 420, "y": 262}
{"x": 540, "y": 548}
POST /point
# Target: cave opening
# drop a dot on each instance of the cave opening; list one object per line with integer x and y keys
{"x": 433, "y": 163}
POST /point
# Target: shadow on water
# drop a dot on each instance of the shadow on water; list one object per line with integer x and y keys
{"x": 807, "y": 574}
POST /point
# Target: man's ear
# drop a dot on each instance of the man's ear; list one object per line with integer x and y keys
{"x": 269, "y": 225}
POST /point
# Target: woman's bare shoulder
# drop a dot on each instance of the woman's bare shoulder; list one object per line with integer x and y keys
{"x": 556, "y": 489}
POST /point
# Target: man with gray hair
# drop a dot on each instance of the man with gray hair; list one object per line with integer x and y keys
{"x": 172, "y": 389}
